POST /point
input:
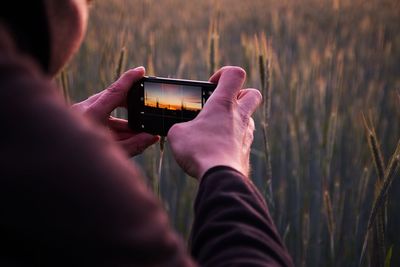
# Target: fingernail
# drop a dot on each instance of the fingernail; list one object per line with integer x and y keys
{"x": 141, "y": 68}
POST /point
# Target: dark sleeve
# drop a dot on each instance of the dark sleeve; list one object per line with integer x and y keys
{"x": 68, "y": 194}
{"x": 232, "y": 224}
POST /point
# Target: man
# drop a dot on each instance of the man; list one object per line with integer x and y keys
{"x": 68, "y": 193}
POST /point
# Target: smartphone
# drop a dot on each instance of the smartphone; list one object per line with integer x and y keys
{"x": 155, "y": 104}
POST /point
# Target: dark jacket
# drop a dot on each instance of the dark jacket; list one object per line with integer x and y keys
{"x": 70, "y": 197}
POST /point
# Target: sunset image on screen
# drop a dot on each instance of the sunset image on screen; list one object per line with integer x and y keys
{"x": 173, "y": 97}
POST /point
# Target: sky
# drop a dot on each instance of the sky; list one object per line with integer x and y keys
{"x": 171, "y": 96}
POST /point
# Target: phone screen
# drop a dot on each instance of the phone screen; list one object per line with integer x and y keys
{"x": 155, "y": 104}
{"x": 172, "y": 101}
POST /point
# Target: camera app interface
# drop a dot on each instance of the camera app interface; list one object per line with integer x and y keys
{"x": 167, "y": 104}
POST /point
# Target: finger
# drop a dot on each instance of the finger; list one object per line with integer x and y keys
{"x": 115, "y": 95}
{"x": 138, "y": 143}
{"x": 230, "y": 80}
{"x": 119, "y": 125}
{"x": 249, "y": 100}
{"x": 119, "y": 136}
{"x": 82, "y": 106}
{"x": 93, "y": 98}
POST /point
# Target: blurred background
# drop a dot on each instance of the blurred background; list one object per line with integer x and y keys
{"x": 327, "y": 134}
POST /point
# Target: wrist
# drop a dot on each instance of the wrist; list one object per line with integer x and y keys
{"x": 221, "y": 168}
{"x": 208, "y": 166}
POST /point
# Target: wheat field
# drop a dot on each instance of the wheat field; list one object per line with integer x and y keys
{"x": 326, "y": 150}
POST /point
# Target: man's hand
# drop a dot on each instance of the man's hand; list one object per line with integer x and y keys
{"x": 223, "y": 131}
{"x": 99, "y": 107}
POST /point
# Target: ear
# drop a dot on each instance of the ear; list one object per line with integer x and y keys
{"x": 67, "y": 21}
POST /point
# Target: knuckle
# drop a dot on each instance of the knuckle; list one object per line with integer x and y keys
{"x": 223, "y": 101}
{"x": 245, "y": 119}
{"x": 252, "y": 125}
{"x": 251, "y": 139}
{"x": 244, "y": 113}
{"x": 250, "y": 135}
{"x": 114, "y": 88}
{"x": 173, "y": 131}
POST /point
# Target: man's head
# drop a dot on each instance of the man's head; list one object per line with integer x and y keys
{"x": 50, "y": 31}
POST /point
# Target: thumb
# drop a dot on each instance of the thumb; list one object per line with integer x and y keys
{"x": 230, "y": 81}
{"x": 115, "y": 95}
{"x": 249, "y": 100}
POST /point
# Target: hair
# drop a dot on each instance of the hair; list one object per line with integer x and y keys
{"x": 28, "y": 24}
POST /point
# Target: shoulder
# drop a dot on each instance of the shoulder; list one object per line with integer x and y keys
{"x": 39, "y": 128}
{"x": 51, "y": 154}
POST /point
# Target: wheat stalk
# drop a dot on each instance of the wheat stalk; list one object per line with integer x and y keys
{"x": 380, "y": 199}
{"x": 382, "y": 189}
{"x": 264, "y": 66}
{"x": 65, "y": 86}
{"x": 160, "y": 164}
{"x": 305, "y": 237}
{"x": 330, "y": 220}
{"x": 150, "y": 54}
{"x": 118, "y": 72}
{"x": 375, "y": 149}
{"x": 213, "y": 39}
{"x": 121, "y": 63}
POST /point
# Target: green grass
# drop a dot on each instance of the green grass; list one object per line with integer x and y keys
{"x": 328, "y": 63}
